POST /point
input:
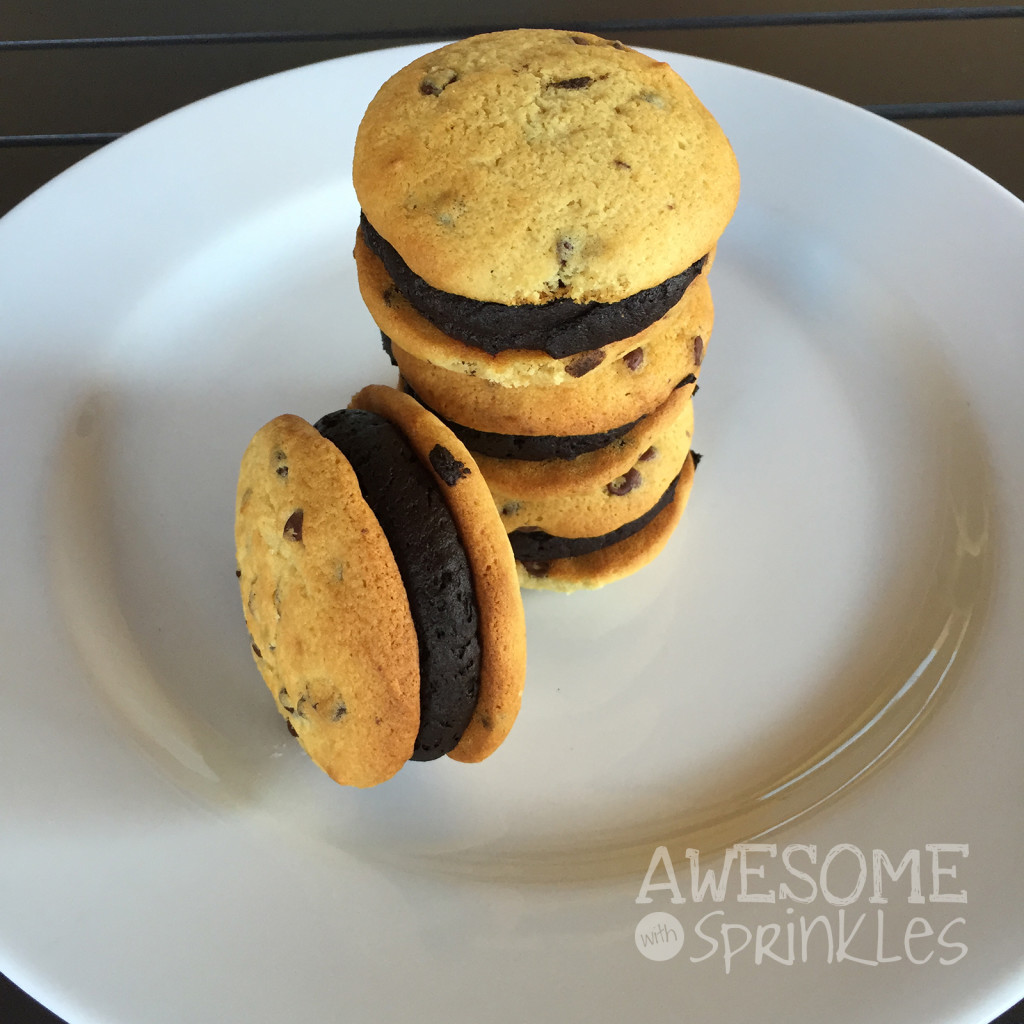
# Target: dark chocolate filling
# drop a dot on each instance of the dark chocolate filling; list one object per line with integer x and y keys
{"x": 432, "y": 561}
{"x": 538, "y": 546}
{"x": 560, "y": 328}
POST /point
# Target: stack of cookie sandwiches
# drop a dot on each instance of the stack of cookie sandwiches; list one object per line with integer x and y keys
{"x": 540, "y": 209}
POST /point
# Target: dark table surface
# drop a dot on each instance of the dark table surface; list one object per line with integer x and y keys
{"x": 953, "y": 73}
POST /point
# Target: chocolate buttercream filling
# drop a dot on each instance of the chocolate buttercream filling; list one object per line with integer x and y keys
{"x": 432, "y": 562}
{"x": 528, "y": 447}
{"x": 537, "y": 546}
{"x": 560, "y": 327}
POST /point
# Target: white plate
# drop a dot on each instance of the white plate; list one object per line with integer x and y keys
{"x": 846, "y": 592}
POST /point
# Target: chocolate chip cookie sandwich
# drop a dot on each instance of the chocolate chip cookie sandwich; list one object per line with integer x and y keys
{"x": 379, "y": 588}
{"x": 532, "y": 202}
{"x": 581, "y": 528}
{"x": 590, "y": 393}
{"x": 541, "y": 190}
{"x": 568, "y": 564}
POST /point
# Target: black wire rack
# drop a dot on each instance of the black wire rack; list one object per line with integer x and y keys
{"x": 18, "y": 1009}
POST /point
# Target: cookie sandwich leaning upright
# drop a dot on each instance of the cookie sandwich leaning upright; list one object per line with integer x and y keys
{"x": 539, "y": 212}
{"x": 378, "y": 588}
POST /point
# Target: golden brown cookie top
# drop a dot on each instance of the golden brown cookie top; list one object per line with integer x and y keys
{"x": 524, "y": 166}
{"x": 502, "y": 625}
{"x": 325, "y": 605}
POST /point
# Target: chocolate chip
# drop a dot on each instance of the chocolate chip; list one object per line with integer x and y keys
{"x": 291, "y": 728}
{"x": 648, "y": 455}
{"x": 510, "y": 508}
{"x": 572, "y": 83}
{"x": 690, "y": 378}
{"x": 339, "y": 712}
{"x": 283, "y": 698}
{"x": 255, "y": 649}
{"x": 487, "y": 722}
{"x": 582, "y": 364}
{"x": 698, "y": 350}
{"x": 388, "y": 295}
{"x": 293, "y": 526}
{"x": 579, "y": 41}
{"x": 282, "y": 471}
{"x": 564, "y": 248}
{"x": 537, "y": 569}
{"x": 621, "y": 485}
{"x": 634, "y": 360}
{"x": 446, "y": 466}
{"x": 622, "y": 164}
{"x": 696, "y": 456}
{"x": 437, "y": 81}
{"x": 696, "y": 388}
{"x": 238, "y": 574}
